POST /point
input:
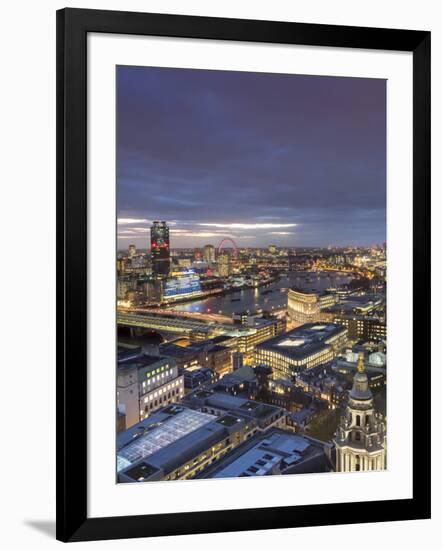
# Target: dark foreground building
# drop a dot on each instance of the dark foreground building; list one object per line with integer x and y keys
{"x": 178, "y": 443}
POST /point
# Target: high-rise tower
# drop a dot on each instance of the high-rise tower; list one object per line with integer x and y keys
{"x": 361, "y": 438}
{"x": 209, "y": 254}
{"x": 224, "y": 265}
{"x": 160, "y": 249}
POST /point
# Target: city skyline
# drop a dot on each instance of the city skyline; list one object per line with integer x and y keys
{"x": 250, "y": 301}
{"x": 226, "y": 241}
{"x": 263, "y": 159}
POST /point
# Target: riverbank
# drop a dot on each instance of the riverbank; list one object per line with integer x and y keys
{"x": 251, "y": 299}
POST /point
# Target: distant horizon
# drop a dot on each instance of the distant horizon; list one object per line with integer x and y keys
{"x": 304, "y": 247}
{"x": 256, "y": 157}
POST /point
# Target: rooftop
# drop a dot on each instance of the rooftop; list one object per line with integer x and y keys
{"x": 269, "y": 453}
{"x": 245, "y": 373}
{"x": 168, "y": 444}
{"x": 310, "y": 291}
{"x": 127, "y": 353}
{"x": 304, "y": 340}
{"x": 140, "y": 361}
{"x": 233, "y": 404}
{"x": 174, "y": 350}
{"x": 157, "y": 432}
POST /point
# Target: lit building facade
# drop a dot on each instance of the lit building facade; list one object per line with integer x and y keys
{"x": 160, "y": 249}
{"x": 363, "y": 327}
{"x": 205, "y": 353}
{"x": 209, "y": 254}
{"x": 124, "y": 285}
{"x": 224, "y": 265}
{"x": 178, "y": 443}
{"x": 146, "y": 383}
{"x": 302, "y": 348}
{"x": 305, "y": 307}
{"x": 248, "y": 337}
{"x": 361, "y": 437}
{"x": 183, "y": 284}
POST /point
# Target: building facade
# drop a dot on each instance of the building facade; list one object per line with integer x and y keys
{"x": 302, "y": 348}
{"x": 209, "y": 254}
{"x": 145, "y": 384}
{"x": 224, "y": 265}
{"x": 178, "y": 443}
{"x": 361, "y": 437}
{"x": 160, "y": 249}
{"x": 181, "y": 285}
{"x": 305, "y": 306}
{"x": 362, "y": 327}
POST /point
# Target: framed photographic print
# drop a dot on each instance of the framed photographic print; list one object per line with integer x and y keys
{"x": 243, "y": 246}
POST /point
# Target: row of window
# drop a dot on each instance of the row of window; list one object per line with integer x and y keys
{"x": 158, "y": 393}
{"x": 152, "y": 379}
{"x": 282, "y": 362}
{"x": 166, "y": 399}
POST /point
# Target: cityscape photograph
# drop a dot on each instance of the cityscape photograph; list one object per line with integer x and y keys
{"x": 251, "y": 274}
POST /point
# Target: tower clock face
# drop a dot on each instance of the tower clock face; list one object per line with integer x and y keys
{"x": 160, "y": 241}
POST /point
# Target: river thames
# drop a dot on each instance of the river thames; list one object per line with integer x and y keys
{"x": 269, "y": 297}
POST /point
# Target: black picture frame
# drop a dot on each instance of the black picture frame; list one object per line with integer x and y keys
{"x": 73, "y": 25}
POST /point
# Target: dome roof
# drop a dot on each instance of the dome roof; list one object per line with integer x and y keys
{"x": 361, "y": 390}
{"x": 378, "y": 358}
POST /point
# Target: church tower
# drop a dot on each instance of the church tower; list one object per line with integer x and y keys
{"x": 360, "y": 439}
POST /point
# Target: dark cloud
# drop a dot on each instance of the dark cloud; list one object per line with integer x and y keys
{"x": 228, "y": 147}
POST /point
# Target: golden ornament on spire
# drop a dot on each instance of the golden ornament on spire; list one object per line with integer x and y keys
{"x": 361, "y": 363}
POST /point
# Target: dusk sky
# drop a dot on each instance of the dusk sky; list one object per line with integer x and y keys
{"x": 261, "y": 158}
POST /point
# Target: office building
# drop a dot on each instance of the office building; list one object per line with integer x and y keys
{"x": 146, "y": 383}
{"x": 209, "y": 254}
{"x": 178, "y": 443}
{"x": 210, "y": 353}
{"x": 247, "y": 337}
{"x": 181, "y": 285}
{"x": 301, "y": 348}
{"x": 362, "y": 327}
{"x": 132, "y": 251}
{"x": 304, "y": 306}
{"x": 224, "y": 265}
{"x": 364, "y": 316}
{"x": 160, "y": 249}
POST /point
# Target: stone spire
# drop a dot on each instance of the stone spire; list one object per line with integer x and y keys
{"x": 361, "y": 362}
